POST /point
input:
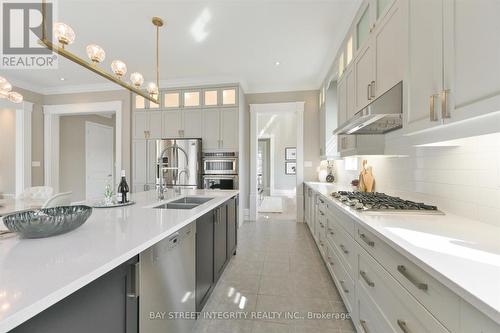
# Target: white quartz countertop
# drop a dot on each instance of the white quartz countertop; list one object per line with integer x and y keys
{"x": 37, "y": 273}
{"x": 462, "y": 254}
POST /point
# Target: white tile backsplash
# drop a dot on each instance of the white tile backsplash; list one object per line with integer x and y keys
{"x": 463, "y": 178}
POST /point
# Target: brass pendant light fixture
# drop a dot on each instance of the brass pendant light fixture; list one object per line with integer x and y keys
{"x": 65, "y": 36}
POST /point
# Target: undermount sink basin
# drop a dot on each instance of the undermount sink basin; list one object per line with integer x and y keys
{"x": 184, "y": 203}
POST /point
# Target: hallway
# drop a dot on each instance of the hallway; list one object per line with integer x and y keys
{"x": 277, "y": 269}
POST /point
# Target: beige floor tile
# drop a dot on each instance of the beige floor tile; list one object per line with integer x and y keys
{"x": 276, "y": 269}
{"x": 270, "y": 327}
{"x": 276, "y": 286}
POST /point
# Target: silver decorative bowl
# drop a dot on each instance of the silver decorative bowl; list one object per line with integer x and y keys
{"x": 46, "y": 222}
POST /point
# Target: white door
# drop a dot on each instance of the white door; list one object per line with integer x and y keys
{"x": 99, "y": 159}
{"x": 229, "y": 129}
{"x": 211, "y": 129}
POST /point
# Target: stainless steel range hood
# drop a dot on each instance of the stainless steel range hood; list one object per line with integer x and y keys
{"x": 383, "y": 115}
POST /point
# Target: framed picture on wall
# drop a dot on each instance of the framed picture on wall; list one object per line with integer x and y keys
{"x": 290, "y": 153}
{"x": 290, "y": 168}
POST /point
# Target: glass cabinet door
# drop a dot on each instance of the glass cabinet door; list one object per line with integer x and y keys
{"x": 192, "y": 99}
{"x": 382, "y": 5}
{"x": 349, "y": 51}
{"x": 140, "y": 102}
{"x": 211, "y": 97}
{"x": 229, "y": 96}
{"x": 172, "y": 99}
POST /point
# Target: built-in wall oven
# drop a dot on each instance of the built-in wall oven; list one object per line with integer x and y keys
{"x": 220, "y": 170}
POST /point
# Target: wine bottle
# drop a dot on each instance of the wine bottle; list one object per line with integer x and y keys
{"x": 123, "y": 189}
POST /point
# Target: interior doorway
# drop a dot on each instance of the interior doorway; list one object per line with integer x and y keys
{"x": 276, "y": 161}
{"x": 99, "y": 159}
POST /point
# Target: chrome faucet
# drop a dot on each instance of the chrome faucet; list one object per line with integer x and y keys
{"x": 161, "y": 186}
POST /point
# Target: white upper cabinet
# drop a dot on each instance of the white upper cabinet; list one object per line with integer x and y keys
{"x": 192, "y": 123}
{"x": 390, "y": 57}
{"x": 363, "y": 27}
{"x": 365, "y": 76}
{"x": 471, "y": 59}
{"x": 172, "y": 124}
{"x": 155, "y": 124}
{"x": 425, "y": 65}
{"x": 350, "y": 93}
{"x": 342, "y": 101}
{"x": 211, "y": 129}
{"x": 229, "y": 129}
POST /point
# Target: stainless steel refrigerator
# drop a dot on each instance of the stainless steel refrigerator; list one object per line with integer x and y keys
{"x": 178, "y": 163}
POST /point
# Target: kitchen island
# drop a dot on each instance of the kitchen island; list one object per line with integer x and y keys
{"x": 38, "y": 273}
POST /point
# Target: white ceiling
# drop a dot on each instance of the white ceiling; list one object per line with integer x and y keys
{"x": 243, "y": 41}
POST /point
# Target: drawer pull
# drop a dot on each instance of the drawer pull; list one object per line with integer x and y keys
{"x": 364, "y": 326}
{"x": 330, "y": 261}
{"x": 321, "y": 213}
{"x": 367, "y": 240}
{"x": 367, "y": 280}
{"x": 342, "y": 247}
{"x": 342, "y": 282}
{"x": 320, "y": 200}
{"x": 402, "y": 325}
{"x": 330, "y": 230}
{"x": 404, "y": 272}
{"x": 322, "y": 225}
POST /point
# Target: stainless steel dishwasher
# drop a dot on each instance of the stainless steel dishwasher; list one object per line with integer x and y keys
{"x": 167, "y": 283}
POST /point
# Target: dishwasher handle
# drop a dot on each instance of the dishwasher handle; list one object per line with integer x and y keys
{"x": 173, "y": 240}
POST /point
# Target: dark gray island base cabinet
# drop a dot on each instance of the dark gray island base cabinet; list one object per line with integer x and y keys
{"x": 216, "y": 240}
{"x": 110, "y": 304}
{"x": 106, "y": 305}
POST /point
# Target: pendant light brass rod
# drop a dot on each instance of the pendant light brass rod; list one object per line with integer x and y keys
{"x": 74, "y": 58}
{"x": 92, "y": 67}
{"x": 158, "y": 57}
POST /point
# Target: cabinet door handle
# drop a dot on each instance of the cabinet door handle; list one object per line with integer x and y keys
{"x": 331, "y": 231}
{"x": 364, "y": 326}
{"x": 367, "y": 280}
{"x": 372, "y": 89}
{"x": 432, "y": 108}
{"x": 445, "y": 110}
{"x": 419, "y": 285}
{"x": 402, "y": 325}
{"x": 367, "y": 240}
{"x": 133, "y": 280}
{"x": 368, "y": 93}
{"x": 342, "y": 282}
{"x": 342, "y": 247}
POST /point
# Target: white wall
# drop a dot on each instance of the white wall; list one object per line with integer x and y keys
{"x": 7, "y": 151}
{"x": 463, "y": 179}
{"x": 283, "y": 128}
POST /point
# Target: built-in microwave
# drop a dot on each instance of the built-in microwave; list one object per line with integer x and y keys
{"x": 220, "y": 163}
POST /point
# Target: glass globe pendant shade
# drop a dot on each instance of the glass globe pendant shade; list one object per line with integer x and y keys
{"x": 119, "y": 68}
{"x": 136, "y": 79}
{"x": 96, "y": 53}
{"x": 4, "y": 94}
{"x": 152, "y": 88}
{"x": 15, "y": 97}
{"x": 64, "y": 34}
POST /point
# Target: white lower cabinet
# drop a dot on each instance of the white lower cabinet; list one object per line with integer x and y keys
{"x": 384, "y": 291}
{"x": 402, "y": 311}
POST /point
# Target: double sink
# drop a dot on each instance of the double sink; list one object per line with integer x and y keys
{"x": 184, "y": 203}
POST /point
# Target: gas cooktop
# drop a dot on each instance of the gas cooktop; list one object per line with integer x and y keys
{"x": 383, "y": 203}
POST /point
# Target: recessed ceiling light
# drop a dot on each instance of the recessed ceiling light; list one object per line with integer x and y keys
{"x": 62, "y": 79}
{"x": 277, "y": 63}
